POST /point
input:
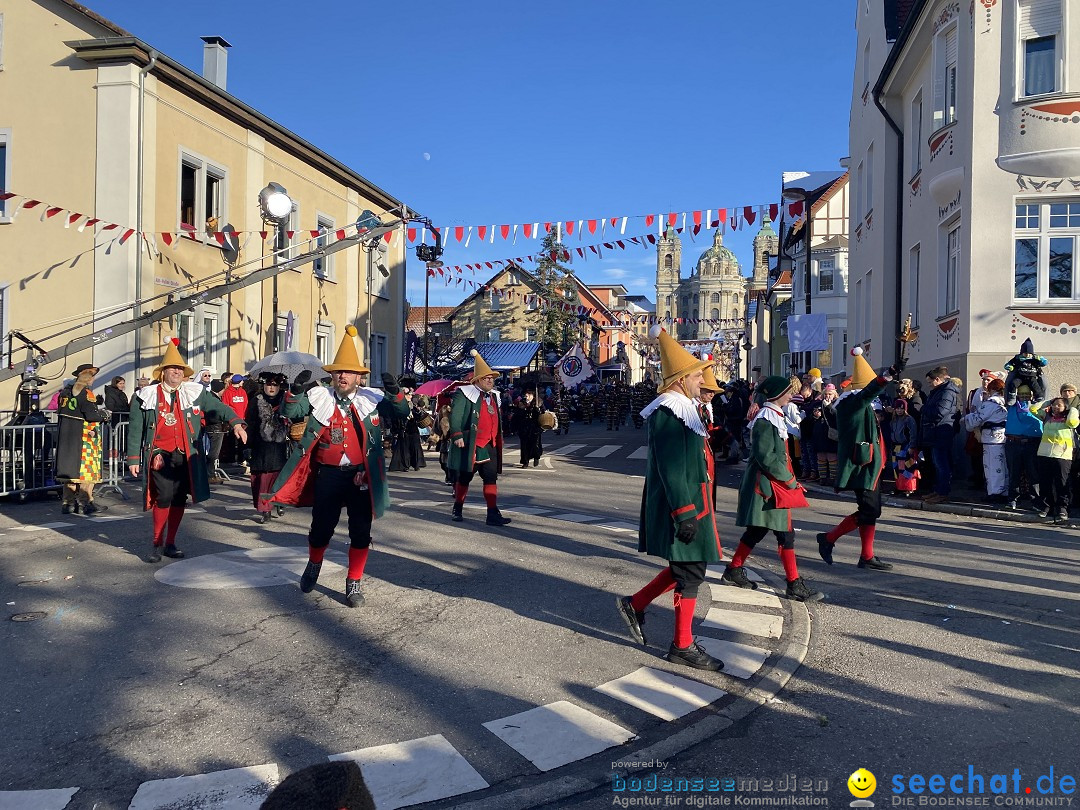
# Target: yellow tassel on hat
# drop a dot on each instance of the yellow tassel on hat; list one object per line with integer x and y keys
{"x": 347, "y": 357}
{"x": 863, "y": 375}
{"x": 675, "y": 361}
{"x": 481, "y": 369}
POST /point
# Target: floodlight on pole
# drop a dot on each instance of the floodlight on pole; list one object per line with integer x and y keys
{"x": 275, "y": 204}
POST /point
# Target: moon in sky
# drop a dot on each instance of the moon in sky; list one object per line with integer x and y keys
{"x": 427, "y": 156}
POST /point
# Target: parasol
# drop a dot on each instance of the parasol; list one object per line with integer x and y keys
{"x": 433, "y": 387}
{"x": 290, "y": 364}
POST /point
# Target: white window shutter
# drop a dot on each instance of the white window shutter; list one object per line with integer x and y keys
{"x": 950, "y": 46}
{"x": 1039, "y": 18}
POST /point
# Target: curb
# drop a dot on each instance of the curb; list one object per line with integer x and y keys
{"x": 769, "y": 683}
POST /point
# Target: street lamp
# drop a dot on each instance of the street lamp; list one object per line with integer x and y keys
{"x": 275, "y": 208}
{"x": 429, "y": 254}
{"x": 797, "y": 194}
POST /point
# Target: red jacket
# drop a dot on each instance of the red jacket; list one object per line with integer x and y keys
{"x": 236, "y": 398}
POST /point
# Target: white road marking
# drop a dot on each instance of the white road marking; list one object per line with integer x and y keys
{"x": 566, "y": 449}
{"x": 545, "y": 462}
{"x": 618, "y": 526}
{"x": 527, "y": 510}
{"x": 664, "y": 694}
{"x": 603, "y": 452}
{"x": 37, "y": 527}
{"x": 740, "y": 660}
{"x": 574, "y": 517}
{"x": 754, "y": 624}
{"x": 641, "y": 452}
{"x": 36, "y": 799}
{"x": 111, "y": 518}
{"x": 249, "y": 568}
{"x": 235, "y": 789}
{"x": 414, "y": 772}
{"x": 558, "y": 733}
{"x": 743, "y": 596}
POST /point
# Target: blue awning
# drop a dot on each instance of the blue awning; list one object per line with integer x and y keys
{"x": 505, "y": 355}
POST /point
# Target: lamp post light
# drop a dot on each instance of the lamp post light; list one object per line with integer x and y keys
{"x": 797, "y": 194}
{"x": 275, "y": 208}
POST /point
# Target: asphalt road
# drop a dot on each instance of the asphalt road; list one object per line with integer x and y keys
{"x": 965, "y": 654}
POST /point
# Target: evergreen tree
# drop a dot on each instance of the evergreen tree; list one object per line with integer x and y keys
{"x": 557, "y": 315}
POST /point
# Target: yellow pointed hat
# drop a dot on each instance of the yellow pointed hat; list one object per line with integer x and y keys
{"x": 481, "y": 369}
{"x": 347, "y": 358}
{"x": 173, "y": 358}
{"x": 709, "y": 383}
{"x": 675, "y": 361}
{"x": 863, "y": 375}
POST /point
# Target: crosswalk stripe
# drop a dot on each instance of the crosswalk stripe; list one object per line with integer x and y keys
{"x": 567, "y": 449}
{"x": 527, "y": 510}
{"x": 743, "y": 596}
{"x": 641, "y": 452}
{"x": 740, "y": 660}
{"x": 36, "y": 799}
{"x": 414, "y": 772}
{"x": 574, "y": 517}
{"x": 36, "y": 527}
{"x": 664, "y": 694}
{"x": 235, "y": 789}
{"x": 603, "y": 452}
{"x": 557, "y": 734}
{"x": 754, "y": 624}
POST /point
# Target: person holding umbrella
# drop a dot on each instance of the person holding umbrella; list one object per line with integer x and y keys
{"x": 268, "y": 440}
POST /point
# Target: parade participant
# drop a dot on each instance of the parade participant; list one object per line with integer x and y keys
{"x": 677, "y": 521}
{"x": 78, "y": 444}
{"x": 408, "y": 451}
{"x": 904, "y": 440}
{"x": 1055, "y": 456}
{"x": 166, "y": 421}
{"x": 268, "y": 440}
{"x": 760, "y": 509}
{"x": 528, "y": 428}
{"x": 987, "y": 422}
{"x": 339, "y": 461}
{"x": 826, "y": 434}
{"x": 614, "y": 412}
{"x": 860, "y": 460}
{"x": 717, "y": 436}
{"x": 562, "y": 413}
{"x": 477, "y": 441}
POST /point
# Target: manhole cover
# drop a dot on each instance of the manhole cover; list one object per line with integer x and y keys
{"x": 32, "y": 616}
{"x": 33, "y": 582}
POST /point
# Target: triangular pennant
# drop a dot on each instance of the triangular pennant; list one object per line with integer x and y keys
{"x": 505, "y": 230}
{"x": 388, "y": 237}
{"x": 459, "y": 233}
{"x": 592, "y": 226}
{"x": 72, "y": 219}
{"x": 411, "y": 234}
{"x": 167, "y": 238}
{"x": 481, "y": 231}
{"x": 774, "y": 209}
{"x": 649, "y": 219}
{"x": 795, "y": 209}
{"x": 749, "y": 214}
{"x": 528, "y": 229}
{"x": 671, "y": 218}
{"x": 569, "y": 227}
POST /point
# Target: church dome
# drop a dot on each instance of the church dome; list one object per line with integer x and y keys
{"x": 717, "y": 253}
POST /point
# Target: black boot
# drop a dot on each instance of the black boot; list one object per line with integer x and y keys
{"x": 495, "y": 518}
{"x": 354, "y": 597}
{"x": 824, "y": 548}
{"x": 154, "y": 556}
{"x": 799, "y": 591}
{"x": 455, "y": 514}
{"x": 694, "y": 656}
{"x": 310, "y": 577}
{"x": 736, "y": 575}
{"x": 92, "y": 506}
{"x": 173, "y": 552}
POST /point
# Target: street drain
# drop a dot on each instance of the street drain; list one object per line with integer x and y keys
{"x": 32, "y": 616}
{"x": 32, "y": 582}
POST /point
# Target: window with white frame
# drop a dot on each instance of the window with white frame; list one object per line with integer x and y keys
{"x": 1041, "y": 47}
{"x": 5, "y": 171}
{"x": 785, "y": 363}
{"x": 286, "y": 332}
{"x": 512, "y": 279}
{"x": 324, "y": 341}
{"x": 866, "y": 64}
{"x": 323, "y": 266}
{"x": 914, "y": 259}
{"x": 493, "y": 335}
{"x": 869, "y": 198}
{"x": 859, "y": 307}
{"x": 495, "y": 300}
{"x": 530, "y": 334}
{"x": 1044, "y": 266}
{"x": 950, "y": 269}
{"x": 945, "y": 57}
{"x": 859, "y": 181}
{"x": 293, "y": 227}
{"x": 531, "y": 302}
{"x": 379, "y": 357}
{"x": 202, "y": 195}
{"x": 915, "y": 138}
{"x": 826, "y": 269}
{"x": 185, "y": 331}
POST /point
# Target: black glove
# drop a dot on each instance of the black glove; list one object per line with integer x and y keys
{"x": 298, "y": 385}
{"x": 687, "y": 530}
{"x": 390, "y": 384}
{"x": 897, "y": 368}
{"x": 100, "y": 400}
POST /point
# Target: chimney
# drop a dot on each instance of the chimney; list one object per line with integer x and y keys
{"x": 215, "y": 60}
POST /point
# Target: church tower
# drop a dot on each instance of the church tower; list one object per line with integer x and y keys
{"x": 668, "y": 264}
{"x": 766, "y": 245}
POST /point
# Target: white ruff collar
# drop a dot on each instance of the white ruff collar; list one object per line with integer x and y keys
{"x": 189, "y": 393}
{"x": 682, "y": 406}
{"x": 472, "y": 393}
{"x": 774, "y": 416}
{"x": 324, "y": 403}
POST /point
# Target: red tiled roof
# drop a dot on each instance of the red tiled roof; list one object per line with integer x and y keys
{"x": 435, "y": 315}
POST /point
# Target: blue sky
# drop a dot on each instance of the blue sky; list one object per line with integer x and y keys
{"x": 486, "y": 113}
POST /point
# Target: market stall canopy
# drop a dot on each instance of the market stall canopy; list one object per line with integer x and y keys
{"x": 505, "y": 355}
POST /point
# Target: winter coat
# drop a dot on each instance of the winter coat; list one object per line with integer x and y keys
{"x": 860, "y": 450}
{"x": 528, "y": 429}
{"x": 78, "y": 441}
{"x": 904, "y": 432}
{"x": 1058, "y": 434}
{"x": 768, "y": 463}
{"x": 117, "y": 402}
{"x": 1021, "y": 422}
{"x": 941, "y": 409}
{"x": 267, "y": 454}
{"x": 677, "y": 486}
{"x": 988, "y": 418}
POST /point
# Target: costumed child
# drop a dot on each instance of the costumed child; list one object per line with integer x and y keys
{"x": 905, "y": 448}
{"x": 1025, "y": 369}
{"x": 761, "y": 507}
{"x": 988, "y": 420}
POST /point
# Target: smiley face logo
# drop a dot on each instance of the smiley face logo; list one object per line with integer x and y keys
{"x": 861, "y": 783}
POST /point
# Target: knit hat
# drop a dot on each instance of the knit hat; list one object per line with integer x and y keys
{"x": 710, "y": 383}
{"x": 173, "y": 358}
{"x": 481, "y": 368}
{"x": 815, "y": 372}
{"x": 830, "y": 387}
{"x": 900, "y": 405}
{"x": 347, "y": 358}
{"x": 774, "y": 387}
{"x": 1027, "y": 347}
{"x": 675, "y": 361}
{"x": 863, "y": 375}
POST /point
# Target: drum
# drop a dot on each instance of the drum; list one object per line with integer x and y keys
{"x": 424, "y": 421}
{"x": 548, "y": 420}
{"x": 296, "y": 431}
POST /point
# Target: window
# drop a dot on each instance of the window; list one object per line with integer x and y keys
{"x": 530, "y": 303}
{"x": 715, "y": 314}
{"x": 1044, "y": 269}
{"x": 495, "y": 300}
{"x": 869, "y": 197}
{"x": 667, "y": 300}
{"x": 493, "y": 335}
{"x": 866, "y": 64}
{"x": 324, "y": 341}
{"x": 323, "y": 266}
{"x": 202, "y": 196}
{"x": 530, "y": 334}
{"x": 785, "y": 363}
{"x": 5, "y": 166}
{"x": 913, "y": 285}
{"x": 735, "y": 298}
{"x": 734, "y": 314}
{"x": 951, "y": 269}
{"x": 379, "y": 363}
{"x": 915, "y": 138}
{"x": 668, "y": 261}
{"x": 945, "y": 76}
{"x": 286, "y": 332}
{"x": 715, "y": 299}
{"x": 826, "y": 272}
{"x": 1040, "y": 30}
{"x": 209, "y": 334}
{"x": 184, "y": 331}
{"x": 512, "y": 279}
{"x": 859, "y": 307}
{"x": 859, "y": 181}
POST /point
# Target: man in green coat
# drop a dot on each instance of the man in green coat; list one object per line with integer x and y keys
{"x": 339, "y": 461}
{"x": 476, "y": 441}
{"x": 768, "y": 470}
{"x": 167, "y": 422}
{"x": 677, "y": 519}
{"x": 860, "y": 460}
